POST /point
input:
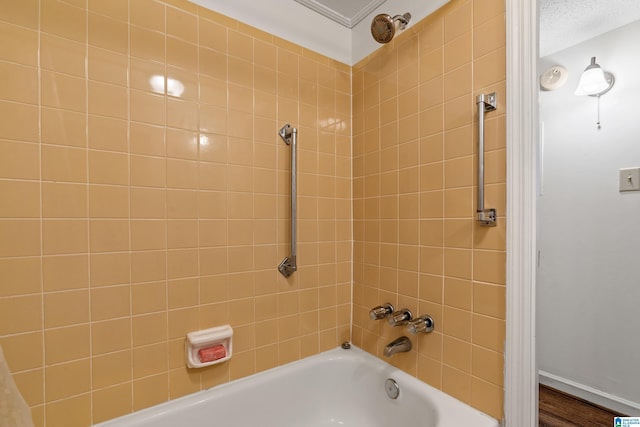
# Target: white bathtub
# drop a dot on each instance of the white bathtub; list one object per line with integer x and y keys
{"x": 338, "y": 387}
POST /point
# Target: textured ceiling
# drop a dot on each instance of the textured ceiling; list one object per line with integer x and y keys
{"x": 565, "y": 23}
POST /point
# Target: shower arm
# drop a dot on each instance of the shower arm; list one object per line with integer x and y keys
{"x": 485, "y": 103}
{"x": 290, "y": 136}
{"x": 403, "y": 20}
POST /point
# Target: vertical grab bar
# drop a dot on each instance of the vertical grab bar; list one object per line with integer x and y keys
{"x": 290, "y": 135}
{"x": 485, "y": 103}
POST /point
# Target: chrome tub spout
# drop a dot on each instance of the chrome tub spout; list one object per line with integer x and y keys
{"x": 399, "y": 345}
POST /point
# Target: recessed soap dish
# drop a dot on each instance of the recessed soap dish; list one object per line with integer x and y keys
{"x": 209, "y": 346}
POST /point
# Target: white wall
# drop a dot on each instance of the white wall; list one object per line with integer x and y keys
{"x": 589, "y": 233}
{"x": 292, "y": 21}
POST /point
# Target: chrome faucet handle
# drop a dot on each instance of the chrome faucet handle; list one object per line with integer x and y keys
{"x": 423, "y": 324}
{"x": 400, "y": 317}
{"x": 381, "y": 311}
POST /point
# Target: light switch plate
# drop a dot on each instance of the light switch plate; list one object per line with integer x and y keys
{"x": 630, "y": 179}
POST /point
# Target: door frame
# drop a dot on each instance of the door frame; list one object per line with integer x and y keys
{"x": 521, "y": 382}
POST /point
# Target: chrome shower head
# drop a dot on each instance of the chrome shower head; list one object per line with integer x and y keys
{"x": 383, "y": 26}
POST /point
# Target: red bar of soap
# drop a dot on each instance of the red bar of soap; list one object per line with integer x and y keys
{"x": 209, "y": 354}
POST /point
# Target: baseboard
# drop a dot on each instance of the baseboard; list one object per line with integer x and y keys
{"x": 590, "y": 394}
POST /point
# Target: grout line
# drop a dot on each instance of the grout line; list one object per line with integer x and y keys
{"x": 42, "y": 309}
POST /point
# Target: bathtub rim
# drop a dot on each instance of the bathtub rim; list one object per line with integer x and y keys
{"x": 337, "y": 353}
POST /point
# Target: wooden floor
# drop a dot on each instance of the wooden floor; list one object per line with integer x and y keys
{"x": 558, "y": 409}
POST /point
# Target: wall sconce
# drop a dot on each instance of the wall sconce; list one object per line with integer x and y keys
{"x": 595, "y": 82}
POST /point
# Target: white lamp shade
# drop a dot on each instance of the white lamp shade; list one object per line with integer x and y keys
{"x": 592, "y": 82}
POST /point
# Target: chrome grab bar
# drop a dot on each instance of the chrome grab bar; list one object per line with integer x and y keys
{"x": 485, "y": 103}
{"x": 290, "y": 135}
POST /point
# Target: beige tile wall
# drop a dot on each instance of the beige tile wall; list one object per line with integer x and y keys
{"x": 132, "y": 214}
{"x": 414, "y": 179}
